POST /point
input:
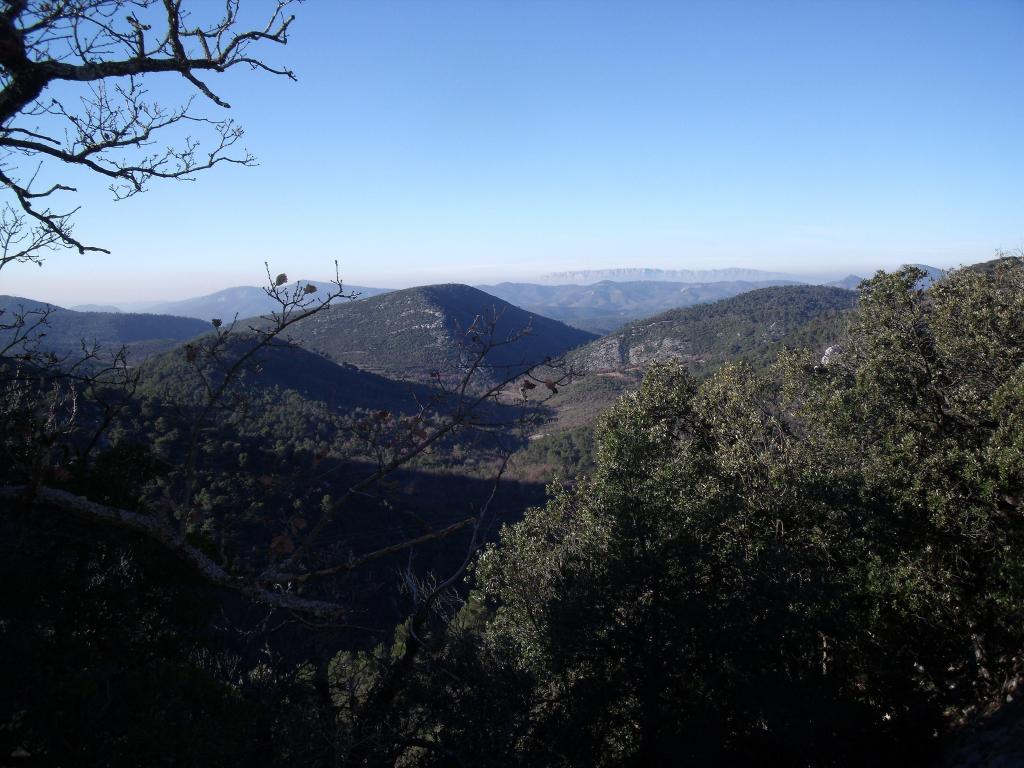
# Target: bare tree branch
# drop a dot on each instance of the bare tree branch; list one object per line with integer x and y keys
{"x": 107, "y": 46}
{"x": 157, "y": 530}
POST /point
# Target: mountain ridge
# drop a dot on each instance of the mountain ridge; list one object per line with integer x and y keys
{"x": 241, "y": 300}
{"x": 629, "y": 274}
{"x": 605, "y": 306}
{"x": 66, "y": 329}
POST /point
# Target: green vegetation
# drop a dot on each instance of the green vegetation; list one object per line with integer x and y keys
{"x": 560, "y": 456}
{"x": 793, "y": 561}
{"x": 819, "y": 565}
{"x": 754, "y": 327}
{"x": 706, "y": 336}
{"x": 243, "y": 553}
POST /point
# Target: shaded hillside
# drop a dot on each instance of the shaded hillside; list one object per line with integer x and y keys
{"x": 143, "y": 334}
{"x": 418, "y": 330}
{"x": 288, "y": 367}
{"x": 243, "y": 301}
{"x": 708, "y": 335}
{"x": 293, "y": 396}
{"x": 605, "y": 306}
{"x": 293, "y": 439}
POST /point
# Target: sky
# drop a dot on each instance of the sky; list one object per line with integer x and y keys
{"x": 485, "y": 140}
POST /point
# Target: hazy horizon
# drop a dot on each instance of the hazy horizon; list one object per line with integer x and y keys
{"x": 138, "y": 300}
{"x": 483, "y": 142}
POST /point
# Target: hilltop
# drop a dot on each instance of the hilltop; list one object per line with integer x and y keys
{"x": 415, "y": 331}
{"x": 850, "y": 282}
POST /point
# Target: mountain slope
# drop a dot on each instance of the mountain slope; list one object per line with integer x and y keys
{"x": 710, "y": 334}
{"x": 418, "y": 330}
{"x": 752, "y": 327}
{"x": 990, "y": 267}
{"x": 288, "y": 367}
{"x": 143, "y": 334}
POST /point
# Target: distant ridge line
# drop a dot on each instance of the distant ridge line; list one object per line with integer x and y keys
{"x": 727, "y": 274}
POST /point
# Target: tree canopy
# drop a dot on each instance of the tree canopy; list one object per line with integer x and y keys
{"x": 817, "y": 565}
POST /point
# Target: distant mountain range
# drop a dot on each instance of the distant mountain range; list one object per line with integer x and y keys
{"x": 95, "y": 308}
{"x": 599, "y": 300}
{"x": 608, "y": 305}
{"x": 66, "y": 329}
{"x": 243, "y": 301}
{"x": 728, "y": 274}
{"x": 412, "y": 332}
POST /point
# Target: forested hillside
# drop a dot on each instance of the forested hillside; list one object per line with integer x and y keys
{"x": 752, "y": 327}
{"x": 812, "y": 565}
{"x": 704, "y": 336}
{"x": 417, "y": 331}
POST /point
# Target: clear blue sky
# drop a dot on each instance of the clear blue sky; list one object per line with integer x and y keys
{"x": 481, "y": 140}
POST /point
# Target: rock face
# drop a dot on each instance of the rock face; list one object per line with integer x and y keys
{"x": 708, "y": 334}
{"x": 415, "y": 331}
{"x": 832, "y": 354}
